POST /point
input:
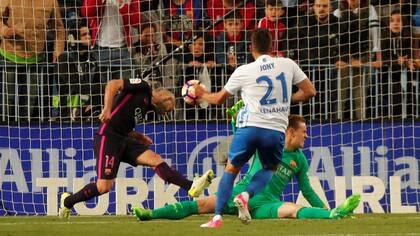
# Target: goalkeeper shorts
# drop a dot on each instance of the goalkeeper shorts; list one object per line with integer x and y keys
{"x": 262, "y": 206}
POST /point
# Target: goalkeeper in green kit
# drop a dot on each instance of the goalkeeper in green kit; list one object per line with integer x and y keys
{"x": 267, "y": 203}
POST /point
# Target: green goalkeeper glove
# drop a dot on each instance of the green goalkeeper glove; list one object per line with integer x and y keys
{"x": 235, "y": 108}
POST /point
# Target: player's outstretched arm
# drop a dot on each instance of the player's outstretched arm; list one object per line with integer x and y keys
{"x": 306, "y": 91}
{"x": 212, "y": 98}
{"x": 111, "y": 89}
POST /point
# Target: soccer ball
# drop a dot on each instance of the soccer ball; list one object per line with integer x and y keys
{"x": 188, "y": 92}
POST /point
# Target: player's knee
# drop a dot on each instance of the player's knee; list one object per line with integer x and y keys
{"x": 232, "y": 169}
{"x": 104, "y": 187}
{"x": 288, "y": 210}
{"x": 157, "y": 160}
{"x": 206, "y": 205}
{"x": 149, "y": 158}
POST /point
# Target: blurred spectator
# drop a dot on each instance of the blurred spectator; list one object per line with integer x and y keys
{"x": 23, "y": 30}
{"x": 357, "y": 12}
{"x": 297, "y": 11}
{"x": 416, "y": 31}
{"x": 216, "y": 9}
{"x": 272, "y": 21}
{"x": 407, "y": 8}
{"x": 70, "y": 12}
{"x": 78, "y": 83}
{"x": 398, "y": 66}
{"x": 149, "y": 5}
{"x": 183, "y": 16}
{"x": 111, "y": 23}
{"x": 316, "y": 45}
{"x": 361, "y": 21}
{"x": 147, "y": 51}
{"x": 198, "y": 64}
{"x": 232, "y": 46}
{"x": 197, "y": 56}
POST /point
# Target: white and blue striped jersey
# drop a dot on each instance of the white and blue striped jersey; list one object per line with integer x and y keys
{"x": 266, "y": 89}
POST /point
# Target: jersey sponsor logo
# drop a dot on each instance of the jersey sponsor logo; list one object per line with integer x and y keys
{"x": 284, "y": 172}
{"x": 135, "y": 81}
{"x": 138, "y": 117}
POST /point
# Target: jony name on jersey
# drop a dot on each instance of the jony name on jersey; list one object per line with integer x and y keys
{"x": 267, "y": 66}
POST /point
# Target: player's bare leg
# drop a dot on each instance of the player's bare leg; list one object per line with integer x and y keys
{"x": 207, "y": 205}
{"x": 288, "y": 210}
{"x": 195, "y": 188}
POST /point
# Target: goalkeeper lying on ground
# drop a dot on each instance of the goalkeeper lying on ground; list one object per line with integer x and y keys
{"x": 266, "y": 204}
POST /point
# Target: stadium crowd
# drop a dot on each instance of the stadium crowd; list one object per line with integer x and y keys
{"x": 56, "y": 56}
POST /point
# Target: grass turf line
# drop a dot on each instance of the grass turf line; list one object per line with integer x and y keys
{"x": 366, "y": 224}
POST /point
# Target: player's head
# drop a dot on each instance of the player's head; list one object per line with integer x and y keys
{"x": 261, "y": 42}
{"x": 163, "y": 100}
{"x": 296, "y": 132}
{"x": 273, "y": 10}
{"x": 322, "y": 9}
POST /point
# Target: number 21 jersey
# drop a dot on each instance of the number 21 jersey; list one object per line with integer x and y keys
{"x": 266, "y": 87}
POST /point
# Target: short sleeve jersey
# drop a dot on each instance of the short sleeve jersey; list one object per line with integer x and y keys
{"x": 266, "y": 87}
{"x": 129, "y": 107}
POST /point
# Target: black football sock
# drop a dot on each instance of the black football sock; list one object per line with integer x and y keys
{"x": 86, "y": 193}
{"x": 172, "y": 176}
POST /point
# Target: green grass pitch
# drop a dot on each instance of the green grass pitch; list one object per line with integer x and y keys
{"x": 367, "y": 224}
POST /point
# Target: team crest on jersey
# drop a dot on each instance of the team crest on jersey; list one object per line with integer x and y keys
{"x": 135, "y": 81}
{"x": 292, "y": 164}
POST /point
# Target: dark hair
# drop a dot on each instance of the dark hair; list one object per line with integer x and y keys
{"x": 274, "y": 3}
{"x": 405, "y": 22}
{"x": 406, "y": 32}
{"x": 261, "y": 41}
{"x": 294, "y": 121}
{"x": 344, "y": 5}
{"x": 198, "y": 34}
{"x": 75, "y": 30}
{"x": 148, "y": 25}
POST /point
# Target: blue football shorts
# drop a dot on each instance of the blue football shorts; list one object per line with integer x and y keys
{"x": 247, "y": 140}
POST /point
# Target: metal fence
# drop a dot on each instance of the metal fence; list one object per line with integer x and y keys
{"x": 30, "y": 88}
